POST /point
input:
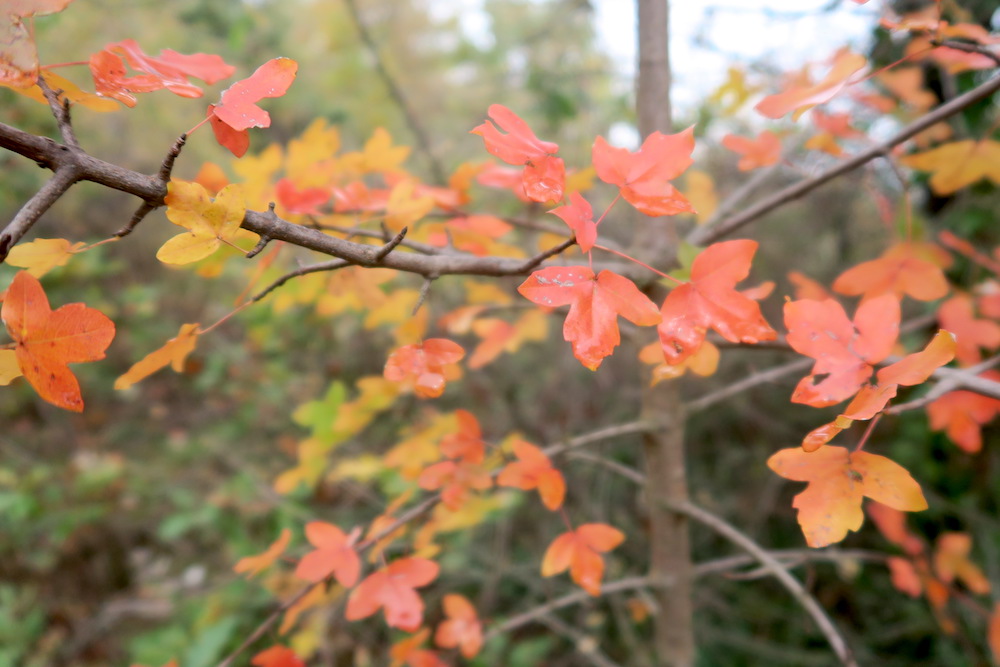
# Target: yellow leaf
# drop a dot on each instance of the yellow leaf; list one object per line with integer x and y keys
{"x": 67, "y": 91}
{"x": 404, "y": 208}
{"x": 578, "y": 181}
{"x": 42, "y": 255}
{"x": 209, "y": 223}
{"x": 9, "y": 368}
{"x": 958, "y": 164}
{"x": 379, "y": 154}
{"x": 700, "y": 191}
{"x": 174, "y": 352}
{"x": 310, "y": 161}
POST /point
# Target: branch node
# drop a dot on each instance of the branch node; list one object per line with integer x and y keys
{"x": 425, "y": 289}
{"x": 390, "y": 245}
{"x": 261, "y": 244}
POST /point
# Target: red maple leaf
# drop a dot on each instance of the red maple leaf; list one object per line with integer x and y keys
{"x": 334, "y": 554}
{"x": 392, "y": 589}
{"x": 467, "y": 444}
{"x": 427, "y": 366}
{"x": 957, "y": 315}
{"x": 594, "y": 305}
{"x": 456, "y": 479}
{"x": 544, "y": 175}
{"x": 579, "y": 216}
{"x": 170, "y": 70}
{"x": 710, "y": 301}
{"x": 238, "y": 111}
{"x": 643, "y": 177}
{"x": 844, "y": 351}
{"x": 305, "y": 201}
{"x": 762, "y": 151}
{"x": 962, "y": 414}
{"x": 46, "y": 340}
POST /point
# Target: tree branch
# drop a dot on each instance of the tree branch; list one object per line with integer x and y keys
{"x": 705, "y": 235}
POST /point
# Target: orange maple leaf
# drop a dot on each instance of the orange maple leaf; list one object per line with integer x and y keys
{"x": 456, "y": 479}
{"x": 951, "y": 561}
{"x": 462, "y": 629}
{"x": 993, "y": 632}
{"x": 955, "y": 165}
{"x": 910, "y": 370}
{"x": 426, "y": 366}
{"x": 534, "y": 470}
{"x": 909, "y": 268}
{"x": 409, "y": 652}
{"x": 334, "y": 554}
{"x": 173, "y": 353}
{"x": 838, "y": 480}
{"x": 643, "y": 177}
{"x": 467, "y": 444}
{"x": 544, "y": 175}
{"x": 392, "y": 589}
{"x": 253, "y": 565}
{"x": 580, "y": 551}
{"x": 277, "y": 656}
{"x": 710, "y": 301}
{"x": 46, "y": 340}
{"x": 762, "y": 151}
{"x": 962, "y": 414}
{"x": 591, "y": 325}
{"x": 802, "y": 97}
{"x": 957, "y": 316}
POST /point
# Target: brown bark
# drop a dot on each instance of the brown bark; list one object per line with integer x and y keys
{"x": 670, "y": 557}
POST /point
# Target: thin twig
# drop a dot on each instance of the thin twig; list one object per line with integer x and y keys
{"x": 148, "y": 206}
{"x": 551, "y": 252}
{"x": 798, "y": 591}
{"x": 750, "y": 381}
{"x": 587, "y": 649}
{"x": 63, "y": 178}
{"x": 332, "y": 265}
{"x": 705, "y": 235}
{"x": 60, "y": 109}
{"x": 605, "y": 433}
{"x": 972, "y": 48}
{"x": 396, "y": 92}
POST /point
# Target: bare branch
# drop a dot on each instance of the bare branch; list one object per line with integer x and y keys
{"x": 396, "y": 92}
{"x": 60, "y": 109}
{"x": 61, "y": 181}
{"x": 955, "y": 378}
{"x": 705, "y": 235}
{"x": 166, "y": 168}
{"x": 772, "y": 564}
{"x": 332, "y": 265}
{"x": 972, "y": 48}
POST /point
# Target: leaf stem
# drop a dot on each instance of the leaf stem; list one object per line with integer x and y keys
{"x": 868, "y": 432}
{"x": 642, "y": 264}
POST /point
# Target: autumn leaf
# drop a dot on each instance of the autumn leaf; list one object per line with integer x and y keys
{"x": 42, "y": 255}
{"x": 65, "y": 90}
{"x": 703, "y": 362}
{"x": 643, "y": 177}
{"x": 378, "y": 155}
{"x": 9, "y": 369}
{"x": 594, "y": 306}
{"x": 303, "y": 201}
{"x": 838, "y": 480}
{"x": 579, "y": 217}
{"x": 405, "y": 206}
{"x": 534, "y": 470}
{"x": 957, "y": 315}
{"x": 409, "y": 652}
{"x": 844, "y": 351}
{"x": 700, "y": 189}
{"x": 544, "y": 175}
{"x": 174, "y": 352}
{"x": 456, "y": 479}
{"x": 277, "y": 656}
{"x": 210, "y": 223}
{"x": 710, "y": 301}
{"x": 799, "y": 98}
{"x": 392, "y": 589}
{"x": 762, "y": 151}
{"x": 467, "y": 444}
{"x": 170, "y": 70}
{"x": 237, "y": 110}
{"x": 254, "y": 565}
{"x": 951, "y": 561}
{"x": 334, "y": 554}
{"x": 499, "y": 336}
{"x": 993, "y": 632}
{"x": 580, "y": 551}
{"x": 962, "y": 414}
{"x": 462, "y": 629}
{"x": 907, "y": 268}
{"x": 892, "y": 524}
{"x": 426, "y": 366}
{"x": 18, "y": 55}
{"x": 47, "y": 340}
{"x": 958, "y": 164}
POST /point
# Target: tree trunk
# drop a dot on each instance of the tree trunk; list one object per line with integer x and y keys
{"x": 670, "y": 557}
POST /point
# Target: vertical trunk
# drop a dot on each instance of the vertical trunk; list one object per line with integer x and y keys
{"x": 670, "y": 559}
